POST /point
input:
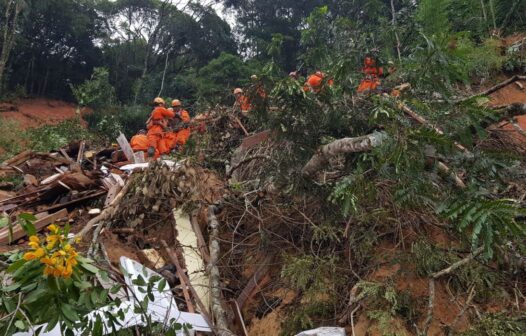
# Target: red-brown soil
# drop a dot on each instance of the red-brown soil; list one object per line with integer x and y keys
{"x": 30, "y": 113}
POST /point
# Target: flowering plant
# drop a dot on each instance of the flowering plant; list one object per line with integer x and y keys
{"x": 49, "y": 283}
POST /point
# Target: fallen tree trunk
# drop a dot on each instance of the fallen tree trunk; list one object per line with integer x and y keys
{"x": 342, "y": 146}
{"x": 356, "y": 145}
{"x": 215, "y": 279}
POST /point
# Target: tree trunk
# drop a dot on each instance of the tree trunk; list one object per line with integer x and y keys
{"x": 11, "y": 16}
{"x": 342, "y": 146}
{"x": 215, "y": 279}
{"x": 164, "y": 74}
{"x": 149, "y": 47}
{"x": 395, "y": 32}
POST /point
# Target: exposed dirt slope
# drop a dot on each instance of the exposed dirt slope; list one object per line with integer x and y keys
{"x": 30, "y": 113}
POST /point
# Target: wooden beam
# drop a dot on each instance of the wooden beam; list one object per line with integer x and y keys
{"x": 39, "y": 224}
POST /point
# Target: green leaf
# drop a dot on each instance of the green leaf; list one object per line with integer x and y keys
{"x": 16, "y": 265}
{"x": 69, "y": 312}
{"x": 26, "y": 222}
{"x": 162, "y": 285}
{"x": 11, "y": 288}
{"x": 89, "y": 267}
{"x": 139, "y": 281}
{"x": 36, "y": 295}
{"x": 115, "y": 289}
{"x": 97, "y": 327}
{"x": 20, "y": 324}
{"x": 4, "y": 221}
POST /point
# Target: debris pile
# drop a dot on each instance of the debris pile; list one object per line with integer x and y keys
{"x": 53, "y": 186}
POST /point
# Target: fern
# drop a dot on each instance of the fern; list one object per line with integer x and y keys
{"x": 486, "y": 221}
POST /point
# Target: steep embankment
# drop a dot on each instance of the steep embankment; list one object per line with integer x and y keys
{"x": 30, "y": 113}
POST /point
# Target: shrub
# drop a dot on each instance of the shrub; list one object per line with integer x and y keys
{"x": 12, "y": 138}
{"x": 50, "y": 137}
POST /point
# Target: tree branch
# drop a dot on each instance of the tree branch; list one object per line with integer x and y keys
{"x": 342, "y": 146}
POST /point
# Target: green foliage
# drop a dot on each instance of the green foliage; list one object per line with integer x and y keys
{"x": 12, "y": 138}
{"x": 52, "y": 137}
{"x": 433, "y": 16}
{"x": 306, "y": 317}
{"x": 31, "y": 295}
{"x": 218, "y": 79}
{"x": 428, "y": 259}
{"x": 485, "y": 221}
{"x": 500, "y": 324}
{"x": 97, "y": 92}
{"x": 343, "y": 195}
{"x": 315, "y": 38}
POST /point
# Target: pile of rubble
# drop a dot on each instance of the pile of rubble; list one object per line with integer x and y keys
{"x": 67, "y": 185}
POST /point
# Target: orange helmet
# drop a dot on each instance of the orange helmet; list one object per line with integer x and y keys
{"x": 238, "y": 90}
{"x": 158, "y": 101}
{"x": 176, "y": 103}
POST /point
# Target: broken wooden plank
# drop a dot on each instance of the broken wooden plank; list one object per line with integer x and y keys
{"x": 185, "y": 282}
{"x": 63, "y": 152}
{"x": 112, "y": 193}
{"x": 80, "y": 155}
{"x": 193, "y": 261}
{"x": 201, "y": 244}
{"x": 253, "y": 283}
{"x": 39, "y": 224}
{"x": 126, "y": 148}
{"x": 18, "y": 159}
{"x": 78, "y": 200}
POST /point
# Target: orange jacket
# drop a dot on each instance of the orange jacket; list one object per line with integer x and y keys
{"x": 139, "y": 142}
{"x": 183, "y": 114}
{"x": 372, "y": 76}
{"x": 244, "y": 103}
{"x": 159, "y": 116}
{"x": 183, "y": 134}
{"x": 314, "y": 82}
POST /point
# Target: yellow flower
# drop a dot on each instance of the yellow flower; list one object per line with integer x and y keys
{"x": 48, "y": 261}
{"x": 48, "y": 270}
{"x": 66, "y": 273}
{"x": 34, "y": 242}
{"x": 53, "y": 228}
{"x": 59, "y": 253}
{"x": 29, "y": 256}
{"x": 57, "y": 272}
{"x": 40, "y": 252}
{"x": 52, "y": 240}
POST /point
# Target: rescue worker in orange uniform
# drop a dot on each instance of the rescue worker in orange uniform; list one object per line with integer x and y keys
{"x": 372, "y": 72}
{"x": 242, "y": 102}
{"x": 139, "y": 142}
{"x": 314, "y": 82}
{"x": 182, "y": 117}
{"x": 156, "y": 125}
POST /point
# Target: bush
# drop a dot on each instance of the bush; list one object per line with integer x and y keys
{"x": 108, "y": 122}
{"x": 97, "y": 91}
{"x": 12, "y": 138}
{"x": 50, "y": 137}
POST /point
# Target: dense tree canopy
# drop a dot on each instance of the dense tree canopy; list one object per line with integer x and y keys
{"x": 150, "y": 46}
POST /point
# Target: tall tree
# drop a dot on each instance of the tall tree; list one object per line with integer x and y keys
{"x": 57, "y": 46}
{"x": 9, "y": 29}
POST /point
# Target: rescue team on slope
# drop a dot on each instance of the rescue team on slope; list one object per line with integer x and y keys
{"x": 168, "y": 129}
